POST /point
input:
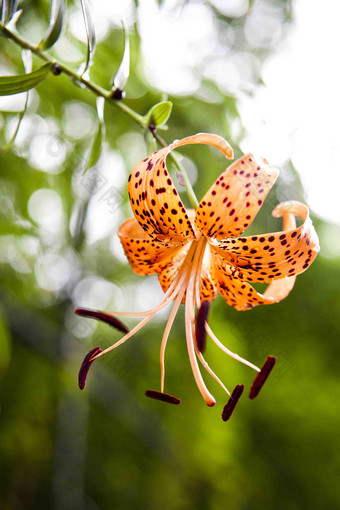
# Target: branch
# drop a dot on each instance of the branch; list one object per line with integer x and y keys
{"x": 79, "y": 80}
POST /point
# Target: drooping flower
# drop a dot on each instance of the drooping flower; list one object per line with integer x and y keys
{"x": 198, "y": 254}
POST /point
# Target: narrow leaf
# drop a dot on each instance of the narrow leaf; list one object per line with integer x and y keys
{"x": 12, "y": 24}
{"x": 14, "y": 84}
{"x": 8, "y": 8}
{"x": 27, "y": 61}
{"x": 56, "y": 26}
{"x": 90, "y": 34}
{"x": 96, "y": 148}
{"x": 159, "y": 114}
{"x": 123, "y": 72}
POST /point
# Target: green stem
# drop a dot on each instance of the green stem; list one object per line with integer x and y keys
{"x": 107, "y": 95}
{"x": 99, "y": 91}
{"x": 188, "y": 187}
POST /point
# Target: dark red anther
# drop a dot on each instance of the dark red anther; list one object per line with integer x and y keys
{"x": 262, "y": 376}
{"x": 102, "y": 316}
{"x": 164, "y": 397}
{"x": 85, "y": 366}
{"x": 201, "y": 318}
{"x": 231, "y": 404}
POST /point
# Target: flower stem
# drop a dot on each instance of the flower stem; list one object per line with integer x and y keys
{"x": 99, "y": 91}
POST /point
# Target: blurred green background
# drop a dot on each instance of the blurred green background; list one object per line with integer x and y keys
{"x": 109, "y": 447}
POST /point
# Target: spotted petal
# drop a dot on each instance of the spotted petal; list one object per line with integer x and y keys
{"x": 277, "y": 255}
{"x": 146, "y": 256}
{"x": 238, "y": 294}
{"x": 168, "y": 273}
{"x": 154, "y": 198}
{"x": 233, "y": 201}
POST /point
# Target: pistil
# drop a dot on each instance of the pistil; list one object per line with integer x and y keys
{"x": 190, "y": 322}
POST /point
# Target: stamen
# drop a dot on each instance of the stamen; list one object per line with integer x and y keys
{"x": 210, "y": 371}
{"x": 202, "y": 316}
{"x": 102, "y": 316}
{"x": 149, "y": 316}
{"x": 227, "y": 351}
{"x": 200, "y": 333}
{"x": 198, "y": 276}
{"x": 167, "y": 331}
{"x": 85, "y": 366}
{"x": 262, "y": 376}
{"x": 231, "y": 404}
{"x": 189, "y": 327}
{"x": 164, "y": 397}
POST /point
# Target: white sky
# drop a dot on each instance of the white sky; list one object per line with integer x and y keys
{"x": 296, "y": 114}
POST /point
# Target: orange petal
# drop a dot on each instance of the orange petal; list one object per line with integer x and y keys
{"x": 208, "y": 290}
{"x": 238, "y": 294}
{"x": 273, "y": 256}
{"x": 146, "y": 256}
{"x": 242, "y": 296}
{"x": 206, "y": 139}
{"x": 154, "y": 198}
{"x": 232, "y": 203}
{"x": 169, "y": 271}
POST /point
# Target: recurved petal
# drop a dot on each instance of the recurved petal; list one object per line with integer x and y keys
{"x": 273, "y": 256}
{"x": 233, "y": 201}
{"x": 154, "y": 198}
{"x": 238, "y": 294}
{"x": 146, "y": 256}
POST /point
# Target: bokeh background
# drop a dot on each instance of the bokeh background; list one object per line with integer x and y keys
{"x": 261, "y": 73}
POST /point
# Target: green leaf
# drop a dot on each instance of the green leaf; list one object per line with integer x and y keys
{"x": 16, "y": 227}
{"x": 123, "y": 71}
{"x": 159, "y": 114}
{"x": 14, "y": 84}
{"x": 27, "y": 61}
{"x": 8, "y": 8}
{"x": 90, "y": 34}
{"x": 96, "y": 148}
{"x": 56, "y": 26}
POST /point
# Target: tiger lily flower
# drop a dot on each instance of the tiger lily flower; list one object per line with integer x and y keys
{"x": 198, "y": 254}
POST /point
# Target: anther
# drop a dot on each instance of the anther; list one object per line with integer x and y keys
{"x": 262, "y": 376}
{"x": 200, "y": 326}
{"x": 164, "y": 397}
{"x": 85, "y": 366}
{"x": 231, "y": 404}
{"x": 101, "y": 316}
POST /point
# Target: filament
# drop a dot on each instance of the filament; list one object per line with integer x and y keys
{"x": 227, "y": 351}
{"x": 175, "y": 288}
{"x": 189, "y": 324}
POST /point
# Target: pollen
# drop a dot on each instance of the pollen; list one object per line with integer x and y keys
{"x": 231, "y": 404}
{"x": 164, "y": 397}
{"x": 85, "y": 366}
{"x": 262, "y": 376}
{"x": 201, "y": 335}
